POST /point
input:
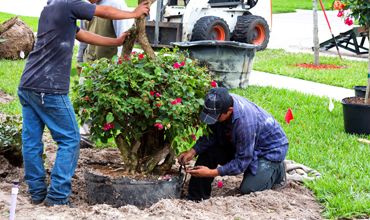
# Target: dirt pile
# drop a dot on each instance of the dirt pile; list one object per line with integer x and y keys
{"x": 294, "y": 202}
{"x": 21, "y": 39}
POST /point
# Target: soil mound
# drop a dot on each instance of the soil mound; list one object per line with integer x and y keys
{"x": 293, "y": 202}
{"x": 21, "y": 38}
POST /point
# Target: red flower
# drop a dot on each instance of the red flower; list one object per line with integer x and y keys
{"x": 125, "y": 56}
{"x": 133, "y": 52}
{"x": 141, "y": 56}
{"x": 349, "y": 22}
{"x": 158, "y": 105}
{"x": 152, "y": 93}
{"x": 219, "y": 184}
{"x": 340, "y": 14}
{"x": 337, "y": 5}
{"x": 176, "y": 101}
{"x": 120, "y": 61}
{"x": 213, "y": 84}
{"x": 128, "y": 59}
{"x": 196, "y": 123}
{"x": 194, "y": 138}
{"x": 159, "y": 126}
{"x": 158, "y": 95}
{"x": 176, "y": 65}
{"x": 182, "y": 64}
{"x": 87, "y": 99}
{"x": 108, "y": 126}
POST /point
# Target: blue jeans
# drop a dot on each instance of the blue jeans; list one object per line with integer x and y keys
{"x": 56, "y": 112}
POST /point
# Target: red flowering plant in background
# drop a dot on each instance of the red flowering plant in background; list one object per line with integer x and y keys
{"x": 150, "y": 107}
{"x": 351, "y": 11}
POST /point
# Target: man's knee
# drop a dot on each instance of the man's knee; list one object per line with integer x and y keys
{"x": 248, "y": 188}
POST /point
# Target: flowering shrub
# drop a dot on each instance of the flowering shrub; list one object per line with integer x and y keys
{"x": 350, "y": 9}
{"x": 11, "y": 135}
{"x": 144, "y": 104}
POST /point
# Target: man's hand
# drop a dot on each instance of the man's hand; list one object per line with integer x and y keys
{"x": 141, "y": 9}
{"x": 202, "y": 171}
{"x": 122, "y": 38}
{"x": 79, "y": 69}
{"x": 187, "y": 156}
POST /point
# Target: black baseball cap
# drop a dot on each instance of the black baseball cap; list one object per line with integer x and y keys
{"x": 217, "y": 102}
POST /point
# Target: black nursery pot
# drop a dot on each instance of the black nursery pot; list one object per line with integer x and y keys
{"x": 127, "y": 191}
{"x": 356, "y": 118}
{"x": 360, "y": 91}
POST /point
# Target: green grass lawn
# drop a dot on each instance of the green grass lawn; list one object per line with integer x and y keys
{"x": 282, "y": 63}
{"x": 282, "y": 6}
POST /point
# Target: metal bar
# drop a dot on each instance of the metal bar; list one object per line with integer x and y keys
{"x": 355, "y": 43}
{"x": 157, "y": 19}
{"x": 224, "y": 4}
{"x": 336, "y": 45}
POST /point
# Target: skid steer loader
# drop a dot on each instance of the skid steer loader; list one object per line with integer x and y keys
{"x": 247, "y": 21}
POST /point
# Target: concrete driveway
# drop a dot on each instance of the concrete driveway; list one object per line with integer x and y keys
{"x": 294, "y": 32}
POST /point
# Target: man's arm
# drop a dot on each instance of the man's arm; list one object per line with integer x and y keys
{"x": 82, "y": 45}
{"x": 108, "y": 12}
{"x": 94, "y": 39}
{"x": 123, "y": 25}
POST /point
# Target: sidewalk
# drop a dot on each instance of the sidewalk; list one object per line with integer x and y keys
{"x": 290, "y": 31}
{"x": 319, "y": 89}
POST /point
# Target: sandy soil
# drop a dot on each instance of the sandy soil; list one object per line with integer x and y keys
{"x": 5, "y": 98}
{"x": 293, "y": 202}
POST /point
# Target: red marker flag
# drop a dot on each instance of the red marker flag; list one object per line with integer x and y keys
{"x": 288, "y": 116}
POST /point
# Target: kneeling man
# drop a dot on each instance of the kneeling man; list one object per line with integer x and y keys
{"x": 245, "y": 139}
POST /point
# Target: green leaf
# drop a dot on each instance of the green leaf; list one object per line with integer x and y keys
{"x": 147, "y": 114}
{"x": 132, "y": 119}
{"x": 109, "y": 117}
{"x": 115, "y": 58}
{"x": 74, "y": 72}
{"x": 5, "y": 213}
{"x": 117, "y": 125}
{"x": 17, "y": 153}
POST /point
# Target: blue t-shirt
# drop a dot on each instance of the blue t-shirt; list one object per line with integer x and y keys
{"x": 48, "y": 67}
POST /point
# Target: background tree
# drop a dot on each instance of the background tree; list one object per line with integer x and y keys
{"x": 316, "y": 43}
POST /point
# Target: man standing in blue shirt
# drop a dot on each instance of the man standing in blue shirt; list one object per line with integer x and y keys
{"x": 43, "y": 93}
{"x": 245, "y": 139}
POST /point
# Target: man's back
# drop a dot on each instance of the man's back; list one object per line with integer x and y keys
{"x": 48, "y": 66}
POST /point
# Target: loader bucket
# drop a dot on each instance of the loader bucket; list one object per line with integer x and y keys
{"x": 231, "y": 62}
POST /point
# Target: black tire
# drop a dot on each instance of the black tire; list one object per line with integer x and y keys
{"x": 252, "y": 29}
{"x": 207, "y": 28}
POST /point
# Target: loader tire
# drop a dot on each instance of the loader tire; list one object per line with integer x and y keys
{"x": 252, "y": 29}
{"x": 211, "y": 28}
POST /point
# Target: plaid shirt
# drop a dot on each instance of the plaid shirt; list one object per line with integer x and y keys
{"x": 254, "y": 133}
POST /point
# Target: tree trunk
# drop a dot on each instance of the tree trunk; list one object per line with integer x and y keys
{"x": 145, "y": 153}
{"x": 316, "y": 43}
{"x": 368, "y": 74}
{"x": 137, "y": 32}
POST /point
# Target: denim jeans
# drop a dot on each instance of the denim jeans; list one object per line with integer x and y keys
{"x": 56, "y": 112}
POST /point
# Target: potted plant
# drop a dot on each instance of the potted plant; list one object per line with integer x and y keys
{"x": 144, "y": 104}
{"x": 356, "y": 110}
